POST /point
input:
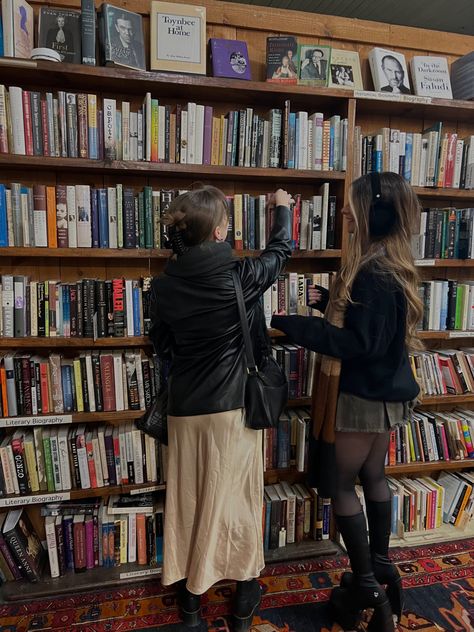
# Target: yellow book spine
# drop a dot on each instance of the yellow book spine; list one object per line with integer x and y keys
{"x": 411, "y": 443}
{"x": 31, "y": 465}
{"x": 216, "y": 137}
{"x": 222, "y": 141}
{"x": 123, "y": 539}
{"x": 78, "y": 384}
{"x": 154, "y": 130}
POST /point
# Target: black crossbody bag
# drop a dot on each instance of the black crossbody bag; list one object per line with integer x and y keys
{"x": 266, "y": 388}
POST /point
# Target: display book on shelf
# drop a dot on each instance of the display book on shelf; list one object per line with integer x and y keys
{"x": 83, "y": 480}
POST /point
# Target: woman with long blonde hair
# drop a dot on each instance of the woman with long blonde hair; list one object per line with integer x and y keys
{"x": 371, "y": 315}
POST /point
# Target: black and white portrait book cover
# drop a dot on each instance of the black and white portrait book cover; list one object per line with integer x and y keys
{"x": 389, "y": 71}
{"x": 122, "y": 38}
{"x": 60, "y": 29}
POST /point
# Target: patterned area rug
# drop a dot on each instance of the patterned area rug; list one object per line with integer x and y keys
{"x": 439, "y": 582}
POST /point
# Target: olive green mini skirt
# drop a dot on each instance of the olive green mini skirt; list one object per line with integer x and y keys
{"x": 356, "y": 414}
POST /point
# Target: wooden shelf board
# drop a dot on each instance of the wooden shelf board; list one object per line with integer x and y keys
{"x": 438, "y": 109}
{"x": 444, "y": 263}
{"x": 141, "y": 253}
{"x": 444, "y": 335}
{"x": 301, "y": 401}
{"x": 445, "y": 194}
{"x": 151, "y": 169}
{"x": 432, "y": 466}
{"x": 104, "y": 417}
{"x": 446, "y": 533}
{"x": 45, "y": 343}
{"x": 301, "y": 550}
{"x": 431, "y": 400}
{"x": 167, "y": 85}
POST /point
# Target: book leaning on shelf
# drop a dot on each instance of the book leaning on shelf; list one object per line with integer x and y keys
{"x": 88, "y": 308}
{"x": 425, "y": 159}
{"x": 447, "y": 305}
{"x": 432, "y": 436}
{"x": 286, "y": 445}
{"x": 71, "y": 125}
{"x": 49, "y": 459}
{"x": 80, "y": 216}
{"x": 444, "y": 233}
{"x": 92, "y": 381}
{"x": 444, "y": 371}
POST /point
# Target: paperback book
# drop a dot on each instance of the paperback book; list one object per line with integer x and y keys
{"x": 389, "y": 71}
{"x": 282, "y": 60}
{"x": 313, "y": 64}
{"x": 344, "y": 70}
{"x": 122, "y": 38}
{"x": 60, "y": 30}
{"x": 229, "y": 58}
{"x": 431, "y": 76}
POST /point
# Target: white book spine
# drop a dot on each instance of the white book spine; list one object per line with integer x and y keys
{"x": 83, "y": 466}
{"x": 123, "y": 455}
{"x": 112, "y": 211}
{"x": 90, "y": 382}
{"x": 147, "y": 126}
{"x": 17, "y": 120}
{"x": 125, "y": 130}
{"x": 56, "y": 462}
{"x": 324, "y": 214}
{"x": 161, "y": 132}
{"x": 141, "y": 390}
{"x": 138, "y": 456}
{"x": 7, "y": 473}
{"x": 8, "y": 305}
{"x": 191, "y": 133}
{"x": 183, "y": 154}
{"x": 199, "y": 144}
{"x": 458, "y": 164}
{"x": 132, "y": 537}
{"x": 129, "y": 304}
{"x": 97, "y": 461}
{"x": 64, "y": 460}
{"x": 83, "y": 215}
{"x": 110, "y": 131}
{"x": 134, "y": 136}
{"x": 50, "y": 530}
{"x": 118, "y": 381}
{"x": 71, "y": 216}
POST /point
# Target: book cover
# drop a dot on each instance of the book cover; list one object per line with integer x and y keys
{"x": 178, "y": 38}
{"x": 60, "y": 30}
{"x": 389, "y": 71}
{"x": 122, "y": 38}
{"x": 344, "y": 69}
{"x": 313, "y": 64}
{"x": 431, "y": 76}
{"x": 18, "y": 28}
{"x": 88, "y": 32}
{"x": 229, "y": 58}
{"x": 282, "y": 60}
{"x": 24, "y": 543}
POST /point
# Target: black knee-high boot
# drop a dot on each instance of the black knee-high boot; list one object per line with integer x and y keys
{"x": 189, "y": 605}
{"x": 379, "y": 517}
{"x": 247, "y": 599}
{"x": 364, "y": 590}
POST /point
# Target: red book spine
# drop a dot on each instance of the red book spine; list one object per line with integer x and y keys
{"x": 450, "y": 160}
{"x": 118, "y": 468}
{"x": 45, "y": 407}
{"x": 296, "y": 221}
{"x": 82, "y": 125}
{"x": 118, "y": 307}
{"x": 392, "y": 449}
{"x": 91, "y": 464}
{"x": 27, "y": 123}
{"x": 44, "y": 123}
{"x": 108, "y": 383}
{"x": 89, "y": 535}
{"x": 20, "y": 466}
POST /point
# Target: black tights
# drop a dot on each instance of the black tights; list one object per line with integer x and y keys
{"x": 360, "y": 454}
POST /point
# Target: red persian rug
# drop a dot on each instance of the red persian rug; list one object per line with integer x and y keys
{"x": 439, "y": 582}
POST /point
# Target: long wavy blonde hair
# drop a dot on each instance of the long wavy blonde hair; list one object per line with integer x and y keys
{"x": 390, "y": 254}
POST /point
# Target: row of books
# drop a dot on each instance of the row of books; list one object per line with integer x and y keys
{"x": 298, "y": 364}
{"x": 92, "y": 381}
{"x": 432, "y": 436}
{"x": 88, "y": 308}
{"x": 422, "y": 504}
{"x": 445, "y": 233}
{"x": 81, "y": 536}
{"x": 61, "y": 458}
{"x": 289, "y": 293}
{"x": 426, "y": 159}
{"x": 286, "y": 445}
{"x": 444, "y": 371}
{"x": 447, "y": 305}
{"x": 313, "y": 221}
{"x": 80, "y": 216}
{"x": 293, "y": 513}
{"x": 70, "y": 125}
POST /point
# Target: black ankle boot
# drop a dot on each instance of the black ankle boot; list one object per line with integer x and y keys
{"x": 379, "y": 516}
{"x": 189, "y": 605}
{"x": 364, "y": 590}
{"x": 247, "y": 600}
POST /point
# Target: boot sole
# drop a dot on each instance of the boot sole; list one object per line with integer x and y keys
{"x": 191, "y": 619}
{"x": 242, "y": 624}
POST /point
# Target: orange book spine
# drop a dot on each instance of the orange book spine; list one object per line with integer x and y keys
{"x": 51, "y": 217}
{"x": 141, "y": 539}
{"x": 3, "y": 386}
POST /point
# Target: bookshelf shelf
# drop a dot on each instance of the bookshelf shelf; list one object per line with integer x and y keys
{"x": 100, "y": 343}
{"x": 112, "y": 417}
{"x": 445, "y": 335}
{"x": 301, "y": 401}
{"x": 165, "y": 85}
{"x": 433, "y": 400}
{"x": 437, "y": 109}
{"x": 444, "y": 194}
{"x": 150, "y": 169}
{"x": 445, "y": 263}
{"x": 432, "y": 466}
{"x": 140, "y": 253}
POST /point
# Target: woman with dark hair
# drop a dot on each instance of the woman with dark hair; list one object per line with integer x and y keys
{"x": 365, "y": 384}
{"x": 213, "y": 525}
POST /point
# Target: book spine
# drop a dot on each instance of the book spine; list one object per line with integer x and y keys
{"x": 88, "y": 32}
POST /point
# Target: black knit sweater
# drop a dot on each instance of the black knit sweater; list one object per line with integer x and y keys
{"x": 371, "y": 345}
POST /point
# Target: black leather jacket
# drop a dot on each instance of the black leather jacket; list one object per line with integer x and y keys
{"x": 195, "y": 319}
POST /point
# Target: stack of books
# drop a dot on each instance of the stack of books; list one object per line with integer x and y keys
{"x": 447, "y": 305}
{"x": 286, "y": 445}
{"x": 444, "y": 371}
{"x": 298, "y": 364}
{"x": 445, "y": 233}
{"x": 289, "y": 293}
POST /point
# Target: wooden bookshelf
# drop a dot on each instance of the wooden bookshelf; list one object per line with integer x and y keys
{"x": 434, "y": 400}
{"x": 445, "y": 263}
{"x": 77, "y": 343}
{"x": 112, "y": 417}
{"x": 429, "y": 467}
{"x": 445, "y": 335}
{"x": 444, "y": 194}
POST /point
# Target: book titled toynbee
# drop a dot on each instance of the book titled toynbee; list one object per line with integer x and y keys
{"x": 229, "y": 58}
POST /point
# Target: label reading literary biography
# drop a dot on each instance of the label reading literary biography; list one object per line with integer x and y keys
{"x": 146, "y": 490}
{"x": 19, "y": 501}
{"x": 144, "y": 573}
{"x": 54, "y": 420}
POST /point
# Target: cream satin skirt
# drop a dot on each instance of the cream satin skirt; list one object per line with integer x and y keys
{"x": 214, "y": 501}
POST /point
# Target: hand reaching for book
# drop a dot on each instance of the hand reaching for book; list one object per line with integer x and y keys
{"x": 281, "y": 198}
{"x": 314, "y": 295}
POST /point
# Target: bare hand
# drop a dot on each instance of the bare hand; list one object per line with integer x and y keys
{"x": 282, "y": 198}
{"x": 281, "y": 313}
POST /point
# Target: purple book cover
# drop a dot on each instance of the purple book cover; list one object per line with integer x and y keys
{"x": 89, "y": 526}
{"x": 207, "y": 141}
{"x": 230, "y": 58}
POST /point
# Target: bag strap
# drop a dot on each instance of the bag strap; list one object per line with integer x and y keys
{"x": 251, "y": 366}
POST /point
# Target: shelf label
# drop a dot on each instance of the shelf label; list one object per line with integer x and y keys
{"x": 388, "y": 96}
{"x": 460, "y": 334}
{"x": 10, "y": 422}
{"x": 19, "y": 501}
{"x": 146, "y": 490}
{"x": 425, "y": 262}
{"x": 143, "y": 573}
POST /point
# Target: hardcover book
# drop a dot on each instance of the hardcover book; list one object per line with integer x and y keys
{"x": 121, "y": 36}
{"x": 313, "y": 64}
{"x": 24, "y": 544}
{"x": 389, "y": 71}
{"x": 60, "y": 30}
{"x": 229, "y": 58}
{"x": 431, "y": 76}
{"x": 344, "y": 70}
{"x": 282, "y": 60}
{"x": 18, "y": 28}
{"x": 178, "y": 38}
